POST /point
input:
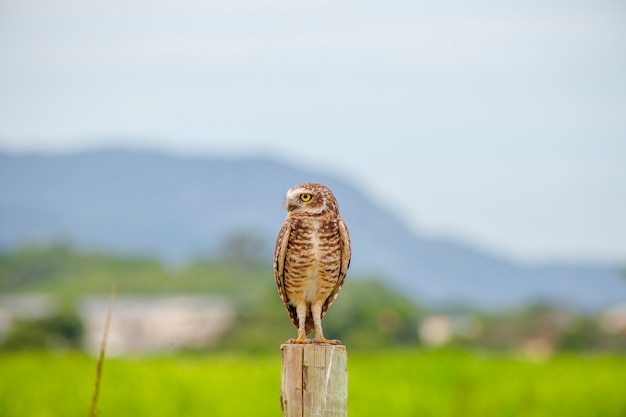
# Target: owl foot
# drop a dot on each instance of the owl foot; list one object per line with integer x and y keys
{"x": 324, "y": 341}
{"x": 299, "y": 341}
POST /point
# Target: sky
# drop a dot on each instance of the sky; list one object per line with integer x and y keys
{"x": 499, "y": 124}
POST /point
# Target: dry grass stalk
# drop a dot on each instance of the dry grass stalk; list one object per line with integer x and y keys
{"x": 96, "y": 387}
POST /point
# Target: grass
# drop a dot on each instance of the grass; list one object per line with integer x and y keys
{"x": 438, "y": 383}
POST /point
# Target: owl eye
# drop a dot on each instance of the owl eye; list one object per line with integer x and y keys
{"x": 305, "y": 197}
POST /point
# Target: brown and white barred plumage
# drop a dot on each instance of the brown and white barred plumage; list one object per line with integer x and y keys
{"x": 312, "y": 257}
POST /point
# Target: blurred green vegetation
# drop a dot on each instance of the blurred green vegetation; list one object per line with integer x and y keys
{"x": 513, "y": 363}
{"x": 63, "y": 271}
{"x": 368, "y": 315}
{"x": 62, "y": 330}
{"x": 442, "y": 383}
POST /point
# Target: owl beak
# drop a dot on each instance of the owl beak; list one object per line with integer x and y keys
{"x": 291, "y": 205}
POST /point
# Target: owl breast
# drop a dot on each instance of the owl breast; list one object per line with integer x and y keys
{"x": 313, "y": 260}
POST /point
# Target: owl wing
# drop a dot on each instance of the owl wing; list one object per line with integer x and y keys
{"x": 346, "y": 253}
{"x": 279, "y": 268}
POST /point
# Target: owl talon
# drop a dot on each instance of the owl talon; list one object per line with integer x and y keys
{"x": 299, "y": 341}
{"x": 323, "y": 341}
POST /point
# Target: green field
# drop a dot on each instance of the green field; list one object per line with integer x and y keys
{"x": 427, "y": 383}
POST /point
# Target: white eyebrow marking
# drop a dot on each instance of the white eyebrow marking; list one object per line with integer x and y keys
{"x": 295, "y": 191}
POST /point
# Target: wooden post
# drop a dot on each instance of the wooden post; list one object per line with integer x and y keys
{"x": 314, "y": 380}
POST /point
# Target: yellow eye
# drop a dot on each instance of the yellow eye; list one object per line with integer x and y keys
{"x": 305, "y": 197}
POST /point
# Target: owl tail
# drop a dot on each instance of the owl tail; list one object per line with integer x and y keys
{"x": 308, "y": 325}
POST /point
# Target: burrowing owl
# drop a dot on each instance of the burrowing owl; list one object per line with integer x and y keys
{"x": 311, "y": 258}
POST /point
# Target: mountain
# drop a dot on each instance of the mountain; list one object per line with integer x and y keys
{"x": 177, "y": 207}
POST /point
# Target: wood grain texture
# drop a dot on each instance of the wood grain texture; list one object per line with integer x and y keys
{"x": 314, "y": 380}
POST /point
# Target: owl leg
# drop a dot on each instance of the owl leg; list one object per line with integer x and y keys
{"x": 316, "y": 311}
{"x": 301, "y": 311}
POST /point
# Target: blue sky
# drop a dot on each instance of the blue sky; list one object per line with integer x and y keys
{"x": 498, "y": 123}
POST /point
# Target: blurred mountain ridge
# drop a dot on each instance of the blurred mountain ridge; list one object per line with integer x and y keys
{"x": 178, "y": 207}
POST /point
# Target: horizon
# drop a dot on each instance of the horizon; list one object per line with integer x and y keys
{"x": 268, "y": 157}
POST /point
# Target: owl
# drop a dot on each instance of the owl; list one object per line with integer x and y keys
{"x": 311, "y": 258}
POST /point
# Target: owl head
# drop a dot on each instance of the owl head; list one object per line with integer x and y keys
{"x": 310, "y": 198}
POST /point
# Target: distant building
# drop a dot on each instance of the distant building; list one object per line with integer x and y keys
{"x": 139, "y": 324}
{"x": 153, "y": 324}
{"x": 613, "y": 320}
{"x": 439, "y": 329}
{"x": 24, "y": 307}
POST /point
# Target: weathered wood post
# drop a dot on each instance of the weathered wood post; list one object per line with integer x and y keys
{"x": 314, "y": 380}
